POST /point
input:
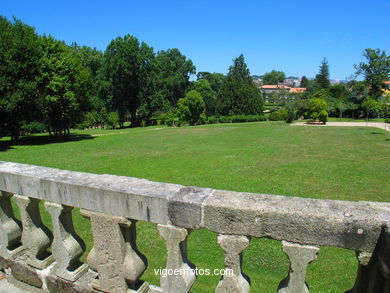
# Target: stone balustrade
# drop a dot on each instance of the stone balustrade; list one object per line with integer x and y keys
{"x": 50, "y": 260}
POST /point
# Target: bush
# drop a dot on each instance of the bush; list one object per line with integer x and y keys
{"x": 212, "y": 120}
{"x": 113, "y": 119}
{"x": 171, "y": 118}
{"x": 291, "y": 114}
{"x": 235, "y": 119}
{"x": 280, "y": 115}
{"x": 191, "y": 108}
{"x": 387, "y": 120}
{"x": 225, "y": 119}
{"x": 323, "y": 116}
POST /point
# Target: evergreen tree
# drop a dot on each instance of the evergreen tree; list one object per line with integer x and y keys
{"x": 322, "y": 78}
{"x": 304, "y": 82}
{"x": 239, "y": 94}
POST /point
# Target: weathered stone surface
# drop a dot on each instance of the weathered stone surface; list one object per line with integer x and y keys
{"x": 82, "y": 285}
{"x": 21, "y": 271}
{"x": 351, "y": 225}
{"x": 115, "y": 255}
{"x": 133, "y": 198}
{"x": 233, "y": 246}
{"x": 10, "y": 228}
{"x": 36, "y": 237}
{"x": 67, "y": 246}
{"x": 300, "y": 257}
{"x": 185, "y": 207}
{"x": 182, "y": 281}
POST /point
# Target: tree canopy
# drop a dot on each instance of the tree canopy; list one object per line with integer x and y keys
{"x": 375, "y": 70}
{"x": 274, "y": 77}
{"x": 239, "y": 94}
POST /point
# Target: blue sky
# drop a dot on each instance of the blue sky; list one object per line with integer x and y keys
{"x": 292, "y": 36}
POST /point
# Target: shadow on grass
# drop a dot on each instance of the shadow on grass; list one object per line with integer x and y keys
{"x": 42, "y": 140}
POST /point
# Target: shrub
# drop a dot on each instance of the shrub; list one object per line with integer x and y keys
{"x": 387, "y": 120}
{"x": 323, "y": 116}
{"x": 171, "y": 118}
{"x": 212, "y": 120}
{"x": 191, "y": 108}
{"x": 280, "y": 115}
{"x": 291, "y": 114}
{"x": 225, "y": 119}
{"x": 113, "y": 119}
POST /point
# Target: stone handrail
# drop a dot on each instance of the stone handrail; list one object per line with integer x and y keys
{"x": 115, "y": 203}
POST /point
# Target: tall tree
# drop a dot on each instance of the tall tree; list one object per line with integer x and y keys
{"x": 173, "y": 74}
{"x": 20, "y": 54}
{"x": 239, "y": 94}
{"x": 92, "y": 59}
{"x": 64, "y": 86}
{"x": 322, "y": 78}
{"x": 376, "y": 70}
{"x": 126, "y": 61}
{"x": 274, "y": 77}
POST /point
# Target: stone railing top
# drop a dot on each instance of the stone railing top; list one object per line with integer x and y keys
{"x": 352, "y": 225}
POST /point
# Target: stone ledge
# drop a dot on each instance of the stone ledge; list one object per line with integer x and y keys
{"x": 351, "y": 225}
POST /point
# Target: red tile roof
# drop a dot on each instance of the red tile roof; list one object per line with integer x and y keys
{"x": 272, "y": 86}
{"x": 297, "y": 90}
{"x": 387, "y": 82}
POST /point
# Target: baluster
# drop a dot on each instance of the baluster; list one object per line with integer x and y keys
{"x": 365, "y": 274}
{"x": 67, "y": 245}
{"x": 115, "y": 255}
{"x": 234, "y": 281}
{"x": 36, "y": 237}
{"x": 10, "y": 231}
{"x": 300, "y": 257}
{"x": 176, "y": 239}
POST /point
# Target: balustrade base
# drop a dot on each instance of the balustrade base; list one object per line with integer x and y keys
{"x": 41, "y": 264}
{"x": 14, "y": 253}
{"x": 143, "y": 288}
{"x": 72, "y": 275}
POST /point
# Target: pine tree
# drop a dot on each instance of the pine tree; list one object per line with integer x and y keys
{"x": 239, "y": 94}
{"x": 322, "y": 78}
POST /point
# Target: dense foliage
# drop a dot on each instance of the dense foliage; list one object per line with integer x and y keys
{"x": 47, "y": 85}
{"x": 238, "y": 94}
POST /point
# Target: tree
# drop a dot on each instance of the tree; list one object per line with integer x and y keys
{"x": 376, "y": 70}
{"x": 64, "y": 86}
{"x": 370, "y": 106}
{"x": 93, "y": 60}
{"x": 191, "y": 108}
{"x": 215, "y": 79}
{"x": 304, "y": 82}
{"x": 126, "y": 64}
{"x": 209, "y": 96}
{"x": 274, "y": 77}
{"x": 239, "y": 94}
{"x": 20, "y": 55}
{"x": 322, "y": 78}
{"x": 173, "y": 71}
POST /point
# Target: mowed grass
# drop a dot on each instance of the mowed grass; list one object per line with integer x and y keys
{"x": 346, "y": 163}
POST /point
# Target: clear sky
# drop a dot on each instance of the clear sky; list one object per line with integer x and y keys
{"x": 292, "y": 36}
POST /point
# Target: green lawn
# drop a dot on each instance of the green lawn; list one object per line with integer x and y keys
{"x": 349, "y": 163}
